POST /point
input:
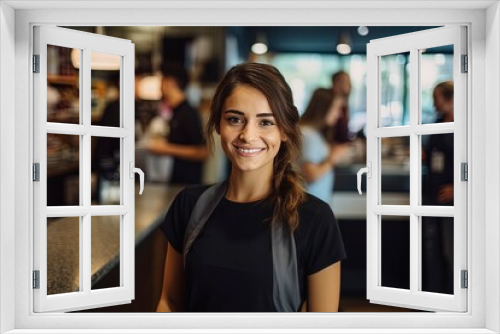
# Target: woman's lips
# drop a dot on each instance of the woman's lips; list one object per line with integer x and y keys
{"x": 248, "y": 151}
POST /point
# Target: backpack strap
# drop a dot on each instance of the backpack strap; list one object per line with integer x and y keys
{"x": 286, "y": 292}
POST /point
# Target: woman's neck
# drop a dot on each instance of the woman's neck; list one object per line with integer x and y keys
{"x": 248, "y": 187}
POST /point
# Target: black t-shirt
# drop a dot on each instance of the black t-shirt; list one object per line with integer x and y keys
{"x": 229, "y": 267}
{"x": 186, "y": 129}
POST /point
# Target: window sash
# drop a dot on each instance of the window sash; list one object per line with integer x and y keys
{"x": 86, "y": 297}
{"x": 413, "y": 298}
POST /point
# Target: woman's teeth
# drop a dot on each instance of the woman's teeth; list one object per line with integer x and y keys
{"x": 249, "y": 151}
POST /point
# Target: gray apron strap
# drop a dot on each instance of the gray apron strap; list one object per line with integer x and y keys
{"x": 202, "y": 210}
{"x": 286, "y": 291}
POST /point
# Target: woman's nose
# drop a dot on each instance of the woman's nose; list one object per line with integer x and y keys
{"x": 248, "y": 133}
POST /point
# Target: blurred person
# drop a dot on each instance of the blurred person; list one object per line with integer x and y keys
{"x": 341, "y": 89}
{"x": 184, "y": 142}
{"x": 106, "y": 153}
{"x": 438, "y": 190}
{"x": 230, "y": 266}
{"x": 320, "y": 154}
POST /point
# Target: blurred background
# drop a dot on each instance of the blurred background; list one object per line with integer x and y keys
{"x": 307, "y": 57}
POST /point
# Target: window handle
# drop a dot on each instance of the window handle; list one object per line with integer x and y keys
{"x": 368, "y": 171}
{"x": 133, "y": 170}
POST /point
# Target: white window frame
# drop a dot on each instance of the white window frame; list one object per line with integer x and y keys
{"x": 414, "y": 297}
{"x": 484, "y": 211}
{"x": 87, "y": 43}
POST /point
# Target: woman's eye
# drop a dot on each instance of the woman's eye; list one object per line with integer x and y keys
{"x": 267, "y": 122}
{"x": 234, "y": 120}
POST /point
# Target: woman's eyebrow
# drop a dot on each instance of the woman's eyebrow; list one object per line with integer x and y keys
{"x": 241, "y": 113}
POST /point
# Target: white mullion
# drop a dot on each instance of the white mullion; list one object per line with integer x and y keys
{"x": 392, "y": 210}
{"x": 394, "y": 131}
{"x": 66, "y": 211}
{"x": 108, "y": 210}
{"x": 67, "y": 129}
{"x": 433, "y": 211}
{"x": 433, "y": 129}
{"x": 107, "y": 131}
{"x": 86, "y": 162}
{"x": 87, "y": 255}
{"x": 81, "y": 170}
{"x": 415, "y": 160}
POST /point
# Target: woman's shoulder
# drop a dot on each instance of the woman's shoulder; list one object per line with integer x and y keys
{"x": 313, "y": 208}
{"x": 188, "y": 196}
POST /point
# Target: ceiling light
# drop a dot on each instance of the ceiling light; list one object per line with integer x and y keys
{"x": 363, "y": 30}
{"x": 343, "y": 49}
{"x": 149, "y": 88}
{"x": 344, "y": 43}
{"x": 259, "y": 48}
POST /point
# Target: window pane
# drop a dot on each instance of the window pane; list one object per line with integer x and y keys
{"x": 106, "y": 170}
{"x": 437, "y": 84}
{"x": 395, "y": 169}
{"x": 63, "y": 170}
{"x": 394, "y": 90}
{"x": 105, "y": 76}
{"x": 63, "y": 81}
{"x": 395, "y": 251}
{"x": 105, "y": 250}
{"x": 63, "y": 255}
{"x": 437, "y": 169}
{"x": 437, "y": 254}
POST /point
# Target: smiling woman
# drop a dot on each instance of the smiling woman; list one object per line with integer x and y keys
{"x": 266, "y": 245}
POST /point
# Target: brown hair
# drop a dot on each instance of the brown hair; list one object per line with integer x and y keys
{"x": 446, "y": 89}
{"x": 287, "y": 189}
{"x": 316, "y": 111}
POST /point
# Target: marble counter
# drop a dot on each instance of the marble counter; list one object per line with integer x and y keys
{"x": 63, "y": 253}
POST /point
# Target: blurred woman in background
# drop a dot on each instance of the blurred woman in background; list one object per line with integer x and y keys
{"x": 319, "y": 154}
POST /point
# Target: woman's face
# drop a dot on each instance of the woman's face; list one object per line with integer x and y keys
{"x": 249, "y": 133}
{"x": 441, "y": 104}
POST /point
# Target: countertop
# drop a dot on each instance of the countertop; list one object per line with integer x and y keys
{"x": 63, "y": 239}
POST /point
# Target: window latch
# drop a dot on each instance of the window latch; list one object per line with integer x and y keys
{"x": 133, "y": 170}
{"x": 368, "y": 171}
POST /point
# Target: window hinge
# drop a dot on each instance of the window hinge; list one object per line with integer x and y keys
{"x": 36, "y": 279}
{"x": 465, "y": 279}
{"x": 36, "y": 63}
{"x": 36, "y": 172}
{"x": 464, "y": 171}
{"x": 465, "y": 64}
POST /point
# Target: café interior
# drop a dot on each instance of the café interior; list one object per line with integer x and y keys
{"x": 307, "y": 57}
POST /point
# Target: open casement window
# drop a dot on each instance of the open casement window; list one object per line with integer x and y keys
{"x": 77, "y": 155}
{"x": 430, "y": 222}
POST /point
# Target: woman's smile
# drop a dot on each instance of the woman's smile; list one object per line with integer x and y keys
{"x": 248, "y": 152}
